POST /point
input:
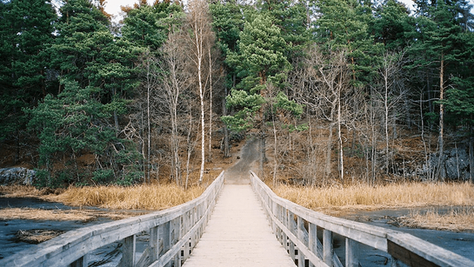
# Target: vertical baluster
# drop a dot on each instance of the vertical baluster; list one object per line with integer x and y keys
{"x": 285, "y": 224}
{"x": 300, "y": 230}
{"x": 187, "y": 226}
{"x": 327, "y": 247}
{"x": 81, "y": 262}
{"x": 128, "y": 251}
{"x": 164, "y": 233}
{"x": 291, "y": 226}
{"x": 313, "y": 239}
{"x": 352, "y": 253}
{"x": 154, "y": 244}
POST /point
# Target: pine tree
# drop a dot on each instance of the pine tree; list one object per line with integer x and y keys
{"x": 439, "y": 44}
{"x": 26, "y": 30}
{"x": 96, "y": 78}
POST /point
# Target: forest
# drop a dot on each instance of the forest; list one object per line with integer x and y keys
{"x": 336, "y": 91}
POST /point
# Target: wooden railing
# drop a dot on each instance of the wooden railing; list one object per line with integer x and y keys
{"x": 173, "y": 233}
{"x": 297, "y": 230}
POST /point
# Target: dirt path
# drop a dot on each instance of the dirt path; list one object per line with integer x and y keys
{"x": 239, "y": 173}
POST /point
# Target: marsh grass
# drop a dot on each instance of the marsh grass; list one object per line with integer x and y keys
{"x": 62, "y": 215}
{"x": 139, "y": 197}
{"x": 455, "y": 219}
{"x": 365, "y": 197}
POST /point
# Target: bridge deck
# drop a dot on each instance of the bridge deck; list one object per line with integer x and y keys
{"x": 238, "y": 234}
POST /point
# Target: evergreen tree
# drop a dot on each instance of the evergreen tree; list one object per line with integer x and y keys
{"x": 439, "y": 44}
{"x": 261, "y": 60}
{"x": 26, "y": 30}
{"x": 96, "y": 73}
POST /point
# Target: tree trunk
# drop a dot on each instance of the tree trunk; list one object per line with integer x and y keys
{"x": 471, "y": 155}
{"x": 329, "y": 152}
{"x": 210, "y": 104}
{"x": 149, "y": 130}
{"x": 386, "y": 118}
{"x": 441, "y": 120}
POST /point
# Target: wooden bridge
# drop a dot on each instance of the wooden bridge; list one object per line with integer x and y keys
{"x": 238, "y": 234}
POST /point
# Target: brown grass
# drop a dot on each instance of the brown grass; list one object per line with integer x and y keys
{"x": 456, "y": 219}
{"x": 36, "y": 236}
{"x": 61, "y": 215}
{"x": 140, "y": 197}
{"x": 366, "y": 197}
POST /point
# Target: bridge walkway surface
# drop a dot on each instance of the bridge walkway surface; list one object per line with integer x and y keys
{"x": 238, "y": 234}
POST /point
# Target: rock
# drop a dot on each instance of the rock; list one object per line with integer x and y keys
{"x": 16, "y": 175}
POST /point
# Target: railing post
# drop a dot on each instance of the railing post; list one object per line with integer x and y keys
{"x": 154, "y": 244}
{"x": 313, "y": 240}
{"x": 81, "y": 262}
{"x": 128, "y": 251}
{"x": 164, "y": 233}
{"x": 300, "y": 230}
{"x": 291, "y": 226}
{"x": 327, "y": 247}
{"x": 352, "y": 248}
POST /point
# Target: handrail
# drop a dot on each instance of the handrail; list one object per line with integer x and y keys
{"x": 296, "y": 228}
{"x": 173, "y": 234}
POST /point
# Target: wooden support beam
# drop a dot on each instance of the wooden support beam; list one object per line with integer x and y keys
{"x": 128, "y": 252}
{"x": 327, "y": 247}
{"x": 312, "y": 239}
{"x": 409, "y": 258}
{"x": 81, "y": 262}
{"x": 352, "y": 253}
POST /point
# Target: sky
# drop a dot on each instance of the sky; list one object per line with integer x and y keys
{"x": 113, "y": 6}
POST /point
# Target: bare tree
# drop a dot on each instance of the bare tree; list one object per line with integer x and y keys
{"x": 175, "y": 80}
{"x": 201, "y": 37}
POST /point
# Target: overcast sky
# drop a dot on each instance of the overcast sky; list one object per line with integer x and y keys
{"x": 113, "y": 6}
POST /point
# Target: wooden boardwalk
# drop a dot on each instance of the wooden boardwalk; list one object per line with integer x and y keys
{"x": 238, "y": 234}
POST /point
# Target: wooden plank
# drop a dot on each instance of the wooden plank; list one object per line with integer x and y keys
{"x": 301, "y": 233}
{"x": 81, "y": 262}
{"x": 327, "y": 247}
{"x": 409, "y": 258}
{"x": 312, "y": 240}
{"x": 352, "y": 253}
{"x": 154, "y": 243}
{"x": 128, "y": 252}
{"x": 428, "y": 251}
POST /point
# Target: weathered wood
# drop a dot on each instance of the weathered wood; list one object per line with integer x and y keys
{"x": 301, "y": 232}
{"x": 354, "y": 232}
{"x": 410, "y": 258}
{"x": 154, "y": 243}
{"x": 327, "y": 247}
{"x": 145, "y": 259}
{"x": 71, "y": 246}
{"x": 81, "y": 262}
{"x": 428, "y": 251}
{"x": 312, "y": 240}
{"x": 128, "y": 252}
{"x": 352, "y": 252}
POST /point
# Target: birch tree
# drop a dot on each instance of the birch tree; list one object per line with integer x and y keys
{"x": 201, "y": 37}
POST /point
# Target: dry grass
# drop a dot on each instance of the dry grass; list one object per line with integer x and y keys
{"x": 36, "y": 236}
{"x": 456, "y": 219}
{"x": 60, "y": 215}
{"x": 366, "y": 197}
{"x": 140, "y": 197}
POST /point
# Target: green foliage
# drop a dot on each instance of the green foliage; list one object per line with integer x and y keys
{"x": 26, "y": 30}
{"x": 103, "y": 176}
{"x": 282, "y": 102}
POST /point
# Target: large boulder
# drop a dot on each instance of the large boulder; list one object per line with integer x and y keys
{"x": 16, "y": 175}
